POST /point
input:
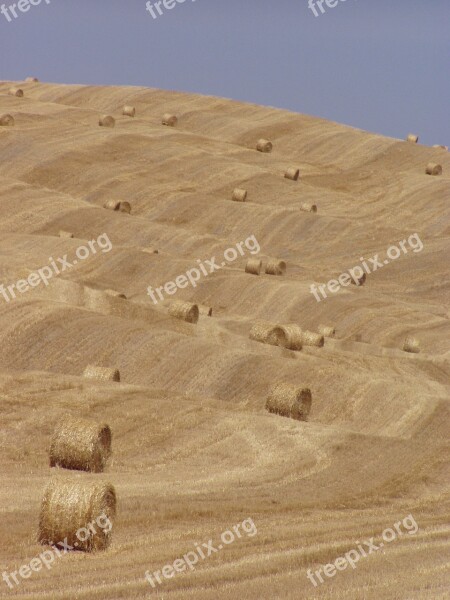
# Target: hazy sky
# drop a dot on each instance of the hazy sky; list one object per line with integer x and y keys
{"x": 381, "y": 65}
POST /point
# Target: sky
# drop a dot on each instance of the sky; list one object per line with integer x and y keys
{"x": 379, "y": 65}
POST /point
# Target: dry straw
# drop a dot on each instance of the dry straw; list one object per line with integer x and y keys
{"x": 184, "y": 310}
{"x": 307, "y": 207}
{"x": 70, "y": 507}
{"x": 253, "y": 266}
{"x": 6, "y": 120}
{"x": 169, "y": 120}
{"x": 239, "y": 195}
{"x": 15, "y": 91}
{"x": 412, "y": 138}
{"x": 107, "y": 121}
{"x": 81, "y": 444}
{"x": 268, "y": 333}
{"x": 205, "y": 311}
{"x": 310, "y": 338}
{"x": 326, "y": 331}
{"x": 102, "y": 373}
{"x": 433, "y": 169}
{"x": 65, "y": 234}
{"x": 292, "y": 173}
{"x": 264, "y": 145}
{"x": 129, "y": 111}
{"x": 289, "y": 400}
{"x": 360, "y": 281}
{"x": 411, "y": 345}
{"x": 275, "y": 267}
{"x": 294, "y": 336}
{"x": 31, "y": 79}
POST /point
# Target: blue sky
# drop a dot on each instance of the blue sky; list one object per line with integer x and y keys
{"x": 380, "y": 65}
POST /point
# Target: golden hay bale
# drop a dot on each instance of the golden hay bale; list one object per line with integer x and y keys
{"x": 150, "y": 250}
{"x": 15, "y": 91}
{"x": 206, "y": 311}
{"x": 439, "y": 146}
{"x": 125, "y": 207}
{"x": 326, "y": 331}
{"x": 65, "y": 234}
{"x": 264, "y": 145}
{"x": 253, "y": 266}
{"x": 184, "y": 310}
{"x": 169, "y": 120}
{"x": 31, "y": 79}
{"x": 411, "y": 345}
{"x": 294, "y": 336}
{"x": 79, "y": 510}
{"x": 308, "y": 207}
{"x": 275, "y": 267}
{"x": 107, "y": 121}
{"x": 310, "y": 338}
{"x": 360, "y": 281}
{"x": 292, "y": 173}
{"x": 289, "y": 400}
{"x": 118, "y": 206}
{"x": 80, "y": 444}
{"x": 115, "y": 294}
{"x": 268, "y": 333}
{"x": 129, "y": 111}
{"x": 239, "y": 195}
{"x": 433, "y": 169}
{"x": 412, "y": 138}
{"x": 6, "y": 120}
{"x": 103, "y": 373}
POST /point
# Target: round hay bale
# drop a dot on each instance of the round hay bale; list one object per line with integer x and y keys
{"x": 411, "y": 345}
{"x": 15, "y": 91}
{"x": 326, "y": 331}
{"x": 115, "y": 294}
{"x": 360, "y": 281}
{"x": 433, "y": 169}
{"x": 125, "y": 207}
{"x": 275, "y": 267}
{"x": 294, "y": 336}
{"x": 308, "y": 207}
{"x": 150, "y": 250}
{"x": 412, "y": 138}
{"x": 184, "y": 310}
{"x": 439, "y": 146}
{"x": 239, "y": 195}
{"x": 205, "y": 311}
{"x": 263, "y": 145}
{"x": 31, "y": 79}
{"x": 65, "y": 234}
{"x": 81, "y": 444}
{"x": 310, "y": 338}
{"x": 288, "y": 400}
{"x": 107, "y": 121}
{"x": 268, "y": 333}
{"x": 118, "y": 206}
{"x": 169, "y": 120}
{"x": 78, "y": 510}
{"x": 129, "y": 111}
{"x": 253, "y": 266}
{"x": 102, "y": 373}
{"x": 6, "y": 120}
{"x": 292, "y": 173}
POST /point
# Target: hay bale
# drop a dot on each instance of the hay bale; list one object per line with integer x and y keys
{"x": 128, "y": 111}
{"x": 118, "y": 206}
{"x": 169, "y": 120}
{"x": 275, "y": 267}
{"x": 125, "y": 207}
{"x": 360, "y": 281}
{"x": 102, "y": 373}
{"x": 15, "y": 91}
{"x": 294, "y": 336}
{"x": 433, "y": 169}
{"x": 31, "y": 79}
{"x": 292, "y": 173}
{"x": 311, "y": 338}
{"x": 65, "y": 234}
{"x": 115, "y": 294}
{"x": 150, "y": 250}
{"x": 239, "y": 195}
{"x": 184, "y": 310}
{"x": 289, "y": 400}
{"x": 80, "y": 444}
{"x": 6, "y": 120}
{"x": 253, "y": 266}
{"x": 326, "y": 331}
{"x": 439, "y": 146}
{"x": 72, "y": 508}
{"x": 263, "y": 145}
{"x": 268, "y": 333}
{"x": 411, "y": 345}
{"x": 205, "y": 311}
{"x": 107, "y": 121}
{"x": 308, "y": 207}
{"x": 412, "y": 138}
